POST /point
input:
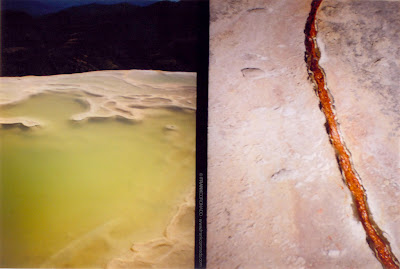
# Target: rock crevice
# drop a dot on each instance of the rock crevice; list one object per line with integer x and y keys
{"x": 378, "y": 243}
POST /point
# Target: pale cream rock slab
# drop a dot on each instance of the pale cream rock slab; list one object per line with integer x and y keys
{"x": 119, "y": 94}
{"x": 361, "y": 57}
{"x": 275, "y": 194}
{"x": 29, "y": 123}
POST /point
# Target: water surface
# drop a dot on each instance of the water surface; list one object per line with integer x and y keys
{"x": 73, "y": 194}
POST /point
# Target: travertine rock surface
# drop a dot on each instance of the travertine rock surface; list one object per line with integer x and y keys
{"x": 276, "y": 198}
{"x": 122, "y": 94}
{"x": 361, "y": 58}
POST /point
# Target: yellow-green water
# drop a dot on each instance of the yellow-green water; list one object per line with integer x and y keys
{"x": 75, "y": 194}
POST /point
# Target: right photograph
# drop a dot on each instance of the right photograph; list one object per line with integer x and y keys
{"x": 304, "y": 134}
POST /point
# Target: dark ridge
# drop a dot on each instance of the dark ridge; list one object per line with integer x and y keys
{"x": 34, "y": 8}
{"x": 161, "y": 36}
{"x": 43, "y": 7}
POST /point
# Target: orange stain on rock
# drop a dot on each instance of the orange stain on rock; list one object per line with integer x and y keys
{"x": 375, "y": 238}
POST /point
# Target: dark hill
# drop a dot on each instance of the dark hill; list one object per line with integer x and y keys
{"x": 34, "y": 8}
{"x": 42, "y": 7}
{"x": 161, "y": 36}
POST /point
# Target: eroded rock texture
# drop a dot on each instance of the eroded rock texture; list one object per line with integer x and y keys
{"x": 124, "y": 95}
{"x": 276, "y": 195}
{"x": 361, "y": 58}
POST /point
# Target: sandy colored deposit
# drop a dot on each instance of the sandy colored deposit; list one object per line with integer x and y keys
{"x": 276, "y": 195}
{"x": 62, "y": 119}
{"x": 118, "y": 94}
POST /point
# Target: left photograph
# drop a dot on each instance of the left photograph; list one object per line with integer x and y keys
{"x": 98, "y": 109}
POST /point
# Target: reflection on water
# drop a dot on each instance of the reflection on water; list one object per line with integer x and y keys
{"x": 75, "y": 194}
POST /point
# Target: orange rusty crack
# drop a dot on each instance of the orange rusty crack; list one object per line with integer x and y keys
{"x": 377, "y": 242}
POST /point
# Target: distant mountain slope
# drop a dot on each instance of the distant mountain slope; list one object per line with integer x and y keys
{"x": 33, "y": 8}
{"x": 40, "y": 7}
{"x": 161, "y": 36}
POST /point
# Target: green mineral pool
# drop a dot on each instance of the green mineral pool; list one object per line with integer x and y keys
{"x": 74, "y": 194}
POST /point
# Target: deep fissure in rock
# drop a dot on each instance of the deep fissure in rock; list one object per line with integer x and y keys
{"x": 377, "y": 242}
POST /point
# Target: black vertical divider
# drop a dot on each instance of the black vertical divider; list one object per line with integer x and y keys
{"x": 201, "y": 135}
